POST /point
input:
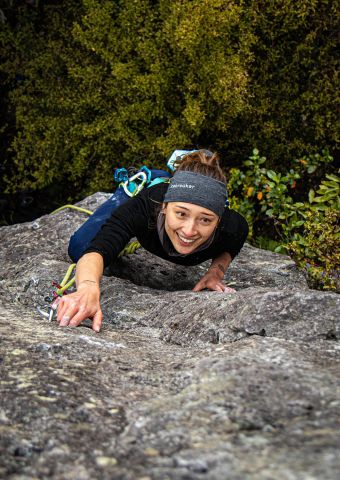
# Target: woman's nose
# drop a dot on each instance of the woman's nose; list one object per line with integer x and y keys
{"x": 189, "y": 228}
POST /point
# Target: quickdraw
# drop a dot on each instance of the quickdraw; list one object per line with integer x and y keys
{"x": 137, "y": 186}
{"x": 58, "y": 291}
{"x": 65, "y": 283}
{"x": 62, "y": 288}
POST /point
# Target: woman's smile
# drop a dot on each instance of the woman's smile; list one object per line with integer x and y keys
{"x": 186, "y": 240}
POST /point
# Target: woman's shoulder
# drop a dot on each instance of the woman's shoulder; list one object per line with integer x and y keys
{"x": 155, "y": 193}
{"x": 233, "y": 222}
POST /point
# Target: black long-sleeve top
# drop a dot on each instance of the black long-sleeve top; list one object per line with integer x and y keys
{"x": 138, "y": 218}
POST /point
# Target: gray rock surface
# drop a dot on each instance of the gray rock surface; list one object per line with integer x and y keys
{"x": 178, "y": 385}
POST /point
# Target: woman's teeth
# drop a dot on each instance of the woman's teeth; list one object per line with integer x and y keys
{"x": 185, "y": 240}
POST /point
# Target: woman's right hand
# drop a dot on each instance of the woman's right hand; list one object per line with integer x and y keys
{"x": 84, "y": 303}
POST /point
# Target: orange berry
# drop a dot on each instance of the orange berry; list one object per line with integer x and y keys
{"x": 259, "y": 195}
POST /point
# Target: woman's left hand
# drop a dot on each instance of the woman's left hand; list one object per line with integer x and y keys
{"x": 213, "y": 282}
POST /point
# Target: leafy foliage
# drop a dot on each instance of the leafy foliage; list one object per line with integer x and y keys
{"x": 307, "y": 229}
{"x": 126, "y": 83}
{"x": 317, "y": 249}
{"x": 94, "y": 83}
{"x": 293, "y": 80}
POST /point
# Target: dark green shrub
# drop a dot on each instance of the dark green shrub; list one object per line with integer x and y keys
{"x": 316, "y": 249}
{"x": 128, "y": 83}
{"x": 33, "y": 42}
{"x": 305, "y": 228}
{"x": 293, "y": 81}
{"x": 92, "y": 84}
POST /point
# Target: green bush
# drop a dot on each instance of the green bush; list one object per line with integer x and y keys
{"x": 33, "y": 42}
{"x": 293, "y": 81}
{"x": 305, "y": 228}
{"x": 126, "y": 84}
{"x": 94, "y": 83}
{"x": 316, "y": 250}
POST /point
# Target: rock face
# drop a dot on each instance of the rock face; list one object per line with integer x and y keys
{"x": 178, "y": 385}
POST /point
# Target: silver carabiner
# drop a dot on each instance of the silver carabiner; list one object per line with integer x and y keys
{"x": 42, "y": 312}
{"x": 139, "y": 187}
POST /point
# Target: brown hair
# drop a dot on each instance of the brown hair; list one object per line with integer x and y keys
{"x": 203, "y": 162}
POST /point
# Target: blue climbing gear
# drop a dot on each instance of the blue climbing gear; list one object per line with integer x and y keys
{"x": 130, "y": 183}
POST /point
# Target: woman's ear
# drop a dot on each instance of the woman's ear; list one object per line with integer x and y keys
{"x": 163, "y": 207}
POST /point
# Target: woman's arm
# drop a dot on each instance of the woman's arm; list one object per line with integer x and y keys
{"x": 213, "y": 279}
{"x": 85, "y": 302}
{"x": 124, "y": 223}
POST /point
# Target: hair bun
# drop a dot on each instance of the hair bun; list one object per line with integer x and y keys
{"x": 203, "y": 162}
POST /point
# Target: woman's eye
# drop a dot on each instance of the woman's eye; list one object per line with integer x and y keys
{"x": 180, "y": 214}
{"x": 206, "y": 221}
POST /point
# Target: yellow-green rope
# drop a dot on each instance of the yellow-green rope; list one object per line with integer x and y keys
{"x": 130, "y": 248}
{"x": 79, "y": 209}
{"x": 65, "y": 284}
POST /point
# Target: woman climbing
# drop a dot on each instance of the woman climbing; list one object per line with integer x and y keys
{"x": 185, "y": 221}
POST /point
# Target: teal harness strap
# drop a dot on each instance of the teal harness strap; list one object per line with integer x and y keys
{"x": 158, "y": 180}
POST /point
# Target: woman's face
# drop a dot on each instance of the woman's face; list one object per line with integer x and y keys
{"x": 188, "y": 226}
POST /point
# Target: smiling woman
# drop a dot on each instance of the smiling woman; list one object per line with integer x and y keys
{"x": 188, "y": 226}
{"x": 186, "y": 221}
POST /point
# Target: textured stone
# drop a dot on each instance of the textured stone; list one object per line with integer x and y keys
{"x": 178, "y": 385}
